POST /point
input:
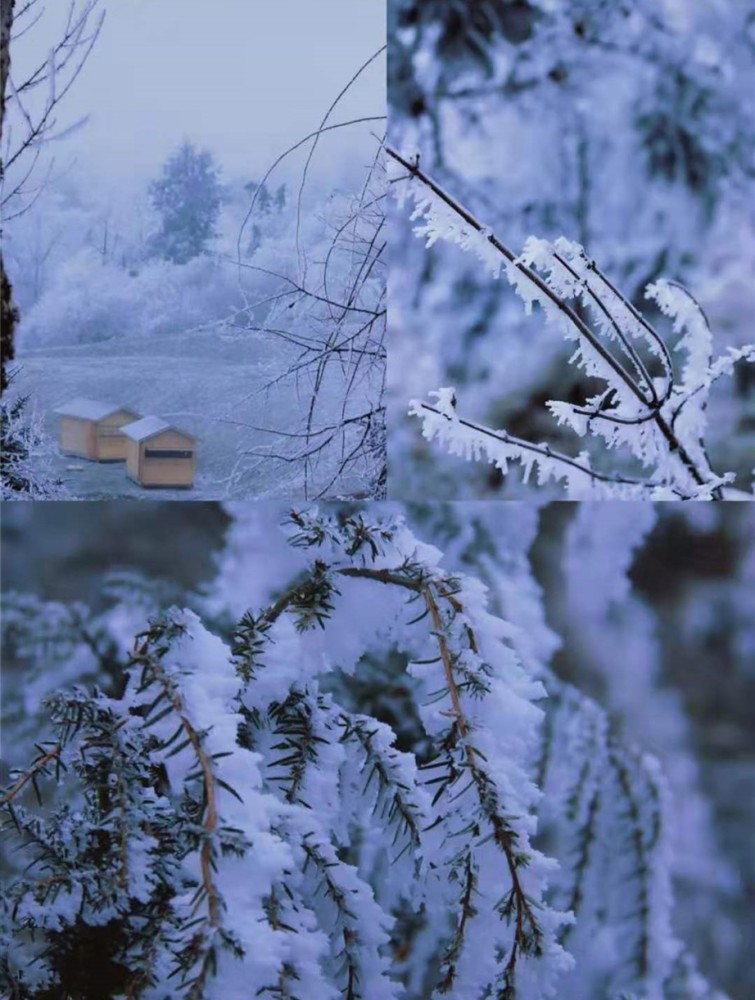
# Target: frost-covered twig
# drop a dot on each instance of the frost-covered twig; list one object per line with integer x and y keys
{"x": 500, "y": 447}
{"x": 330, "y": 308}
{"x": 659, "y": 421}
{"x": 57, "y": 72}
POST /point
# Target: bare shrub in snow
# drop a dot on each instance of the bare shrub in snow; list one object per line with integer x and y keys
{"x": 29, "y": 108}
{"x": 90, "y": 300}
{"x": 330, "y": 307}
{"x": 26, "y": 455}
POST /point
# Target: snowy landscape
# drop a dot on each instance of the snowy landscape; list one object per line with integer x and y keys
{"x": 228, "y": 279}
{"x": 182, "y": 371}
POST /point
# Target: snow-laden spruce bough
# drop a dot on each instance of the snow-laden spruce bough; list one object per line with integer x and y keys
{"x": 238, "y": 823}
{"x": 658, "y": 419}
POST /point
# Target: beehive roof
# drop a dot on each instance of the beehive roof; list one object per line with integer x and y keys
{"x": 89, "y": 409}
{"x": 147, "y": 427}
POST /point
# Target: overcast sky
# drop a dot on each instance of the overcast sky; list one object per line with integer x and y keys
{"x": 246, "y": 78}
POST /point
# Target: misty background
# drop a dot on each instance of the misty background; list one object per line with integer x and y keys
{"x": 243, "y": 80}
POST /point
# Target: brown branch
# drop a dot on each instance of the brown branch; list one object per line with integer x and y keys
{"x": 210, "y": 819}
{"x": 122, "y": 824}
{"x": 210, "y": 823}
{"x": 445, "y": 655}
{"x": 451, "y": 957}
{"x": 29, "y": 775}
{"x": 505, "y": 838}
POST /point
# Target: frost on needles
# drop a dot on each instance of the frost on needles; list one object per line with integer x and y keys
{"x": 648, "y": 409}
{"x": 233, "y": 819}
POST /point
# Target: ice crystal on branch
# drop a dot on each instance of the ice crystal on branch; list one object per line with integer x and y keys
{"x": 237, "y": 820}
{"x": 644, "y": 408}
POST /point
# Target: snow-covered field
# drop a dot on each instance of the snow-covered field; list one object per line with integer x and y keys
{"x": 208, "y": 383}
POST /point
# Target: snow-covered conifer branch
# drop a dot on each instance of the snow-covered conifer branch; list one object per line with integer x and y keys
{"x": 230, "y": 823}
{"x": 657, "y": 419}
{"x": 604, "y": 811}
{"x": 38, "y": 766}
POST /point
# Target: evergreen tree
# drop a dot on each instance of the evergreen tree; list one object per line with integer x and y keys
{"x": 187, "y": 198}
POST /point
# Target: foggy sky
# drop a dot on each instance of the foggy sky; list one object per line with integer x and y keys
{"x": 245, "y": 78}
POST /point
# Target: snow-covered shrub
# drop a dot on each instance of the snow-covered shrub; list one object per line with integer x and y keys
{"x": 709, "y": 636}
{"x": 232, "y": 823}
{"x": 90, "y": 299}
{"x": 25, "y": 455}
{"x": 606, "y": 640}
{"x": 48, "y": 645}
{"x": 644, "y": 406}
{"x": 600, "y": 611}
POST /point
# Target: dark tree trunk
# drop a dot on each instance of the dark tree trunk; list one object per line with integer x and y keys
{"x": 6, "y": 22}
{"x": 8, "y": 320}
{"x": 8, "y": 312}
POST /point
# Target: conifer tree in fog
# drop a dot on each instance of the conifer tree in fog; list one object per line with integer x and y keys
{"x": 187, "y": 198}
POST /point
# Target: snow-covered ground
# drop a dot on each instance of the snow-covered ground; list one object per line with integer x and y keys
{"x": 209, "y": 383}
